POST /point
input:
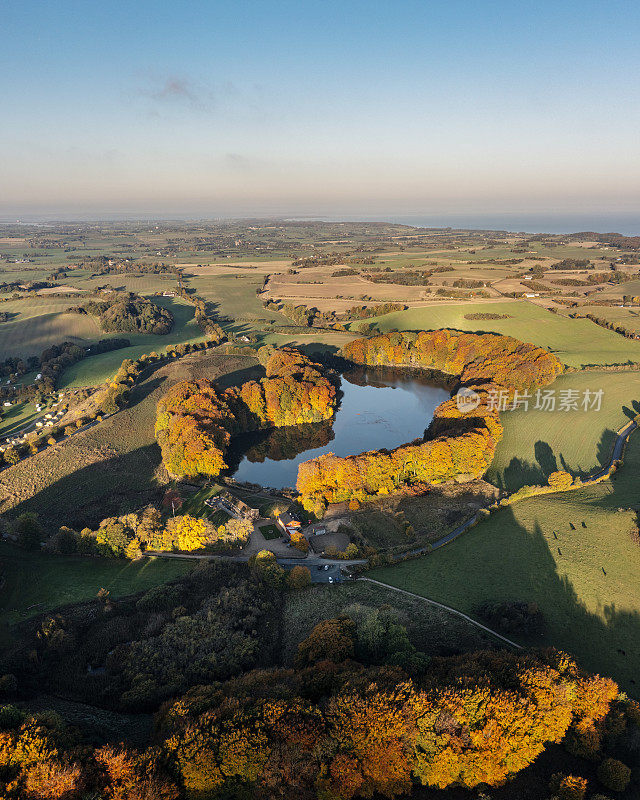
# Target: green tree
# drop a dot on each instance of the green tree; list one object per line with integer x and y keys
{"x": 29, "y": 531}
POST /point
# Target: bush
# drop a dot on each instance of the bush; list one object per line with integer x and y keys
{"x": 11, "y": 717}
{"x": 560, "y": 480}
{"x": 518, "y": 616}
{"x": 8, "y": 685}
{"x": 11, "y": 456}
{"x": 64, "y": 542}
{"x": 568, "y": 787}
{"x": 614, "y": 774}
{"x": 28, "y": 531}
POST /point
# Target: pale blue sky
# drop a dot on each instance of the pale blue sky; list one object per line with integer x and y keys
{"x": 319, "y": 107}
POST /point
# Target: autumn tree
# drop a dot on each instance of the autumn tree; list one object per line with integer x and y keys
{"x": 299, "y": 577}
{"x": 332, "y": 640}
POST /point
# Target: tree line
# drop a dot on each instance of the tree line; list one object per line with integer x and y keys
{"x": 195, "y": 420}
{"x": 460, "y": 443}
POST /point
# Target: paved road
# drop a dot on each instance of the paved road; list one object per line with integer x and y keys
{"x": 618, "y": 447}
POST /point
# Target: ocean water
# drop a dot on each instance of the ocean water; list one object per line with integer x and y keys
{"x": 626, "y": 223}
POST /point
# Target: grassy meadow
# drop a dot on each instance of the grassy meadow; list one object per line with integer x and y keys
{"x": 38, "y": 322}
{"x": 36, "y": 582}
{"x": 572, "y": 553}
{"x": 536, "y": 442}
{"x": 575, "y": 342}
{"x": 628, "y": 318}
{"x": 97, "y": 369}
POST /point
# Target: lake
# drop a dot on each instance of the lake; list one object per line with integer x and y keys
{"x": 380, "y": 408}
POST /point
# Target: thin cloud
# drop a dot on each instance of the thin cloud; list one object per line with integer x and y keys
{"x": 177, "y": 91}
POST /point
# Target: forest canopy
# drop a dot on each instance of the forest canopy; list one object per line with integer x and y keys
{"x": 196, "y": 420}
{"x": 128, "y": 312}
{"x": 461, "y": 443}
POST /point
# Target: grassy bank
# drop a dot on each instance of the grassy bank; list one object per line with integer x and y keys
{"x": 572, "y": 553}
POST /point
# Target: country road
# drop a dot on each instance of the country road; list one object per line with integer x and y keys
{"x": 446, "y": 608}
{"x": 616, "y": 454}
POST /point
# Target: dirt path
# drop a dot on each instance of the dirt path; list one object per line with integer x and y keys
{"x": 446, "y": 608}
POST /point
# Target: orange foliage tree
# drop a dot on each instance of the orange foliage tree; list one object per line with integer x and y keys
{"x": 473, "y": 720}
{"x": 195, "y": 421}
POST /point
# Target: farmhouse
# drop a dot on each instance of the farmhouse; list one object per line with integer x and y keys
{"x": 288, "y": 524}
{"x": 233, "y": 506}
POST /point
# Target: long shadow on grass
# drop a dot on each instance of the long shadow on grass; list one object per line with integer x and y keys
{"x": 83, "y": 498}
{"x": 520, "y": 472}
{"x": 502, "y": 560}
{"x": 507, "y": 562}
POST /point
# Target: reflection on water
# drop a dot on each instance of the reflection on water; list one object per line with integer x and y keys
{"x": 380, "y": 408}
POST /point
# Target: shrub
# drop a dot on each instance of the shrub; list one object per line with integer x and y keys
{"x": 11, "y": 456}
{"x": 28, "y": 531}
{"x": 568, "y": 787}
{"x": 64, "y": 542}
{"x": 614, "y": 774}
{"x": 519, "y": 617}
{"x": 8, "y": 684}
{"x": 11, "y": 717}
{"x": 560, "y": 480}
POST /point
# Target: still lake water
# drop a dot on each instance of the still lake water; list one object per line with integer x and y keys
{"x": 380, "y": 408}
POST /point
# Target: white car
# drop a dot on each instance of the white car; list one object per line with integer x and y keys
{"x": 330, "y": 579}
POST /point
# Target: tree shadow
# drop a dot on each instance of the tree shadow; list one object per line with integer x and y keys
{"x": 501, "y": 560}
{"x": 545, "y": 457}
{"x": 113, "y": 486}
{"x": 605, "y": 446}
{"x": 520, "y": 472}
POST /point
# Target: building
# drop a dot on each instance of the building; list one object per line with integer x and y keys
{"x": 233, "y": 506}
{"x": 288, "y": 524}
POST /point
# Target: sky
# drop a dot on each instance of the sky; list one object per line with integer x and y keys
{"x": 270, "y": 107}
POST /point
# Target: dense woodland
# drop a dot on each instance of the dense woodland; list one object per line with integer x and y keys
{"x": 127, "y": 312}
{"x": 359, "y": 713}
{"x": 460, "y": 445}
{"x": 196, "y": 420}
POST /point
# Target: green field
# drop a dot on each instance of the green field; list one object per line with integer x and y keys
{"x": 536, "y": 443}
{"x": 39, "y": 322}
{"x": 575, "y": 342}
{"x": 35, "y": 582}
{"x": 628, "y": 318}
{"x": 236, "y": 300}
{"x": 585, "y": 578}
{"x": 270, "y": 532}
{"x": 97, "y": 369}
{"x": 17, "y": 417}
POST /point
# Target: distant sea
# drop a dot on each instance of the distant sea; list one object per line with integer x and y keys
{"x": 626, "y": 223}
